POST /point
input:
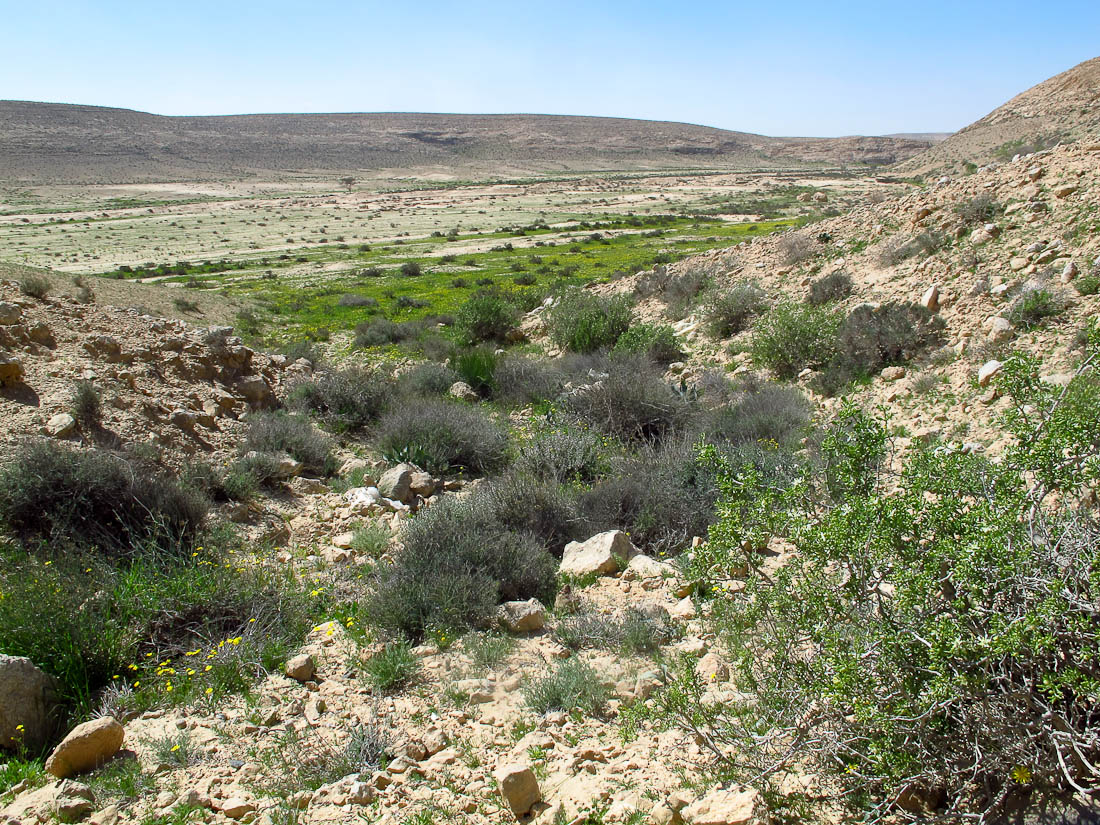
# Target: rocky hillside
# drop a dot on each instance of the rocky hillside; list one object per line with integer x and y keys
{"x": 58, "y": 143}
{"x": 1066, "y": 107}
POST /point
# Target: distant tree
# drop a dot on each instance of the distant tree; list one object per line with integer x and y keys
{"x": 347, "y": 182}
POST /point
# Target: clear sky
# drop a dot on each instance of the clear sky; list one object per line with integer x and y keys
{"x": 780, "y": 68}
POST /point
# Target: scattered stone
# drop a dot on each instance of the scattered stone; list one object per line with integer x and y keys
{"x": 73, "y": 801}
{"x": 722, "y": 808}
{"x": 518, "y": 787}
{"x": 1000, "y": 329}
{"x": 61, "y": 425}
{"x": 892, "y": 373}
{"x": 396, "y": 482}
{"x": 27, "y": 704}
{"x": 301, "y": 668}
{"x": 987, "y": 371}
{"x": 522, "y": 616}
{"x": 235, "y": 807}
{"x": 11, "y": 370}
{"x": 711, "y": 668}
{"x": 1065, "y": 190}
{"x": 10, "y": 314}
{"x": 930, "y": 300}
{"x": 86, "y": 747}
{"x": 599, "y": 555}
{"x": 463, "y": 392}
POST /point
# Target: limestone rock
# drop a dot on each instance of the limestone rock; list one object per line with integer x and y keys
{"x": 396, "y": 482}
{"x": 930, "y": 300}
{"x": 522, "y": 616}
{"x": 598, "y": 555}
{"x": 27, "y": 704}
{"x": 722, "y": 808}
{"x": 642, "y": 566}
{"x": 301, "y": 668}
{"x": 892, "y": 373}
{"x": 518, "y": 787}
{"x": 1000, "y": 329}
{"x": 60, "y": 425}
{"x": 463, "y": 392}
{"x": 987, "y": 371}
{"x": 11, "y": 370}
{"x": 10, "y": 314}
{"x": 86, "y": 747}
{"x": 256, "y": 391}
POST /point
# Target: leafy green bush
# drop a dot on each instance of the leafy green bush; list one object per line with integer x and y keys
{"x": 487, "y": 315}
{"x": 657, "y": 342}
{"x": 96, "y": 500}
{"x": 792, "y": 336}
{"x": 345, "y": 401}
{"x": 455, "y": 563}
{"x": 441, "y": 436}
{"x": 1089, "y": 284}
{"x": 729, "y": 311}
{"x": 1033, "y": 306}
{"x": 633, "y": 402}
{"x": 573, "y": 687}
{"x": 392, "y": 667}
{"x": 293, "y": 434}
{"x": 411, "y": 269}
{"x": 836, "y": 286}
{"x": 585, "y": 322}
{"x": 381, "y": 331}
{"x": 931, "y": 644}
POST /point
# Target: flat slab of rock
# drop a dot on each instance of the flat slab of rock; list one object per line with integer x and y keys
{"x": 522, "y": 616}
{"x": 599, "y": 555}
{"x": 722, "y": 808}
{"x": 87, "y": 746}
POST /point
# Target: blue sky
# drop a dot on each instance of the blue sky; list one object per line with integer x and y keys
{"x": 793, "y": 68}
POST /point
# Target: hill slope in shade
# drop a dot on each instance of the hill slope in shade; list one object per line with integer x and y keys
{"x": 1065, "y": 107}
{"x": 62, "y": 143}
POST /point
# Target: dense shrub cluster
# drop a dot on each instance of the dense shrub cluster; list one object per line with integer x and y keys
{"x": 443, "y": 436}
{"x": 95, "y": 499}
{"x": 344, "y": 400}
{"x": 294, "y": 434}
{"x": 836, "y": 286}
{"x": 1033, "y": 306}
{"x": 655, "y": 341}
{"x": 931, "y": 647}
{"x": 487, "y": 315}
{"x": 585, "y": 322}
{"x": 729, "y": 311}
{"x": 793, "y": 336}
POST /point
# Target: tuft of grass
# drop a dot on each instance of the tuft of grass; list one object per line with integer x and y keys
{"x": 35, "y": 286}
{"x": 372, "y": 540}
{"x": 573, "y": 687}
{"x": 488, "y": 649}
{"x": 391, "y": 668}
{"x": 1033, "y": 307}
{"x": 86, "y": 406}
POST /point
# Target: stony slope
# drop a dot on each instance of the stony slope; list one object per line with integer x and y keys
{"x": 59, "y": 143}
{"x": 1065, "y": 107}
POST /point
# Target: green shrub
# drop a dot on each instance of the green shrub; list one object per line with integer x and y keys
{"x": 573, "y": 687}
{"x": 655, "y": 341}
{"x": 792, "y": 336}
{"x": 631, "y": 632}
{"x": 371, "y": 541}
{"x": 1089, "y": 284}
{"x": 345, "y": 401}
{"x": 525, "y": 504}
{"x": 441, "y": 436}
{"x": 487, "y": 315}
{"x": 585, "y": 322}
{"x": 455, "y": 563}
{"x": 796, "y": 248}
{"x": 477, "y": 367}
{"x": 35, "y": 286}
{"x": 391, "y": 668}
{"x": 428, "y": 379}
{"x": 411, "y": 269}
{"x": 381, "y": 331}
{"x": 894, "y": 251}
{"x": 633, "y": 402}
{"x": 86, "y": 406}
{"x": 930, "y": 645}
{"x": 487, "y": 650}
{"x": 293, "y": 434}
{"x": 729, "y": 311}
{"x": 761, "y": 411}
{"x": 836, "y": 286}
{"x": 522, "y": 380}
{"x": 565, "y": 455}
{"x": 95, "y": 499}
{"x": 661, "y": 497}
{"x": 350, "y": 299}
{"x": 1033, "y": 306}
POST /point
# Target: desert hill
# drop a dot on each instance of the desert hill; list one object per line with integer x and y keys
{"x": 1065, "y": 107}
{"x": 61, "y": 143}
